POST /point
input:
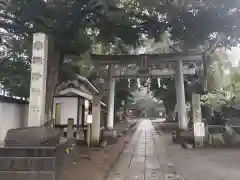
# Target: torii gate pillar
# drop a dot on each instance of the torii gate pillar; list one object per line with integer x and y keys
{"x": 111, "y": 96}
{"x": 180, "y": 92}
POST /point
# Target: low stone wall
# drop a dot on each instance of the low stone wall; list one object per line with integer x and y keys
{"x": 223, "y": 136}
{"x": 32, "y": 163}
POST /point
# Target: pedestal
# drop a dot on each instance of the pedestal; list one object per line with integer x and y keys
{"x": 27, "y": 155}
{"x": 32, "y": 136}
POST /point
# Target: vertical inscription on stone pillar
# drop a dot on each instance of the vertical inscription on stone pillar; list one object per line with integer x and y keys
{"x": 36, "y": 113}
{"x": 198, "y": 125}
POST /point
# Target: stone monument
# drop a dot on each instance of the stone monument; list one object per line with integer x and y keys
{"x": 36, "y": 134}
{"x": 36, "y": 140}
{"x": 36, "y": 116}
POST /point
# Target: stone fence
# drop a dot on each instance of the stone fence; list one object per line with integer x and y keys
{"x": 32, "y": 163}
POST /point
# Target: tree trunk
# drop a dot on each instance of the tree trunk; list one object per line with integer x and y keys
{"x": 52, "y": 80}
{"x": 169, "y": 114}
{"x": 169, "y": 108}
{"x": 207, "y": 112}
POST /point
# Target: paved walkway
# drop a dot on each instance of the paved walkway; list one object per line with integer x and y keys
{"x": 202, "y": 164}
{"x": 206, "y": 164}
{"x": 141, "y": 158}
{"x": 148, "y": 156}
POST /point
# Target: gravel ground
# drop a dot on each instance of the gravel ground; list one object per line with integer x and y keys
{"x": 94, "y": 164}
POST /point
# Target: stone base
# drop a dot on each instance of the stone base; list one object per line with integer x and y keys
{"x": 95, "y": 144}
{"x": 32, "y": 136}
{"x": 110, "y": 133}
{"x": 184, "y": 138}
{"x": 80, "y": 138}
{"x": 110, "y": 136}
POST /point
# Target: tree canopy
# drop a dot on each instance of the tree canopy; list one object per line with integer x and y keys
{"x": 77, "y": 24}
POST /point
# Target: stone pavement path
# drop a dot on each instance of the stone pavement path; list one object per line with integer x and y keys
{"x": 206, "y": 164}
{"x": 141, "y": 158}
{"x": 202, "y": 164}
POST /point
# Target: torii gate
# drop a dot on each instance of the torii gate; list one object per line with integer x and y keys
{"x": 174, "y": 65}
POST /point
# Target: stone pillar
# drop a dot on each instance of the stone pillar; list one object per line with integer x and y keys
{"x": 36, "y": 116}
{"x": 111, "y": 96}
{"x": 180, "y": 93}
{"x": 198, "y": 125}
{"x": 96, "y": 115}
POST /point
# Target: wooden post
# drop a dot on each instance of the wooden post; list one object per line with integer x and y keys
{"x": 70, "y": 129}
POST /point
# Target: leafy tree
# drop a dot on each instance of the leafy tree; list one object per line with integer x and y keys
{"x": 190, "y": 27}
{"x": 145, "y": 100}
{"x": 217, "y": 64}
{"x": 233, "y": 87}
{"x": 15, "y": 76}
{"x": 122, "y": 93}
{"x": 166, "y": 92}
{"x": 223, "y": 86}
{"x": 190, "y": 22}
{"x": 68, "y": 24}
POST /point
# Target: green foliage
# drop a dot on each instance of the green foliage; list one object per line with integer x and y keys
{"x": 234, "y": 87}
{"x": 68, "y": 24}
{"x": 216, "y": 65}
{"x": 15, "y": 76}
{"x": 217, "y": 99}
{"x": 223, "y": 87}
{"x": 226, "y": 95}
{"x": 167, "y": 93}
{"x": 145, "y": 100}
{"x": 68, "y": 21}
{"x": 191, "y": 22}
{"x": 122, "y": 93}
{"x": 61, "y": 20}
